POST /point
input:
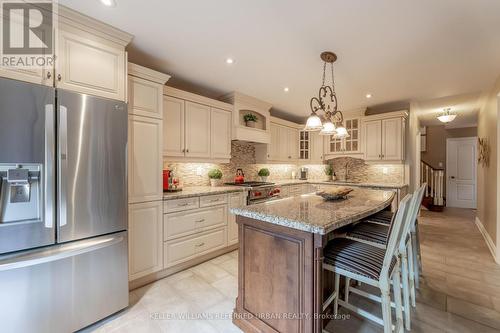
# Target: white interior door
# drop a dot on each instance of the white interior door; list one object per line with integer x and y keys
{"x": 461, "y": 172}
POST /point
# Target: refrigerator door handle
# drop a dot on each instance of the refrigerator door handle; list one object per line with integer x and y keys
{"x": 37, "y": 257}
{"x": 48, "y": 175}
{"x": 63, "y": 164}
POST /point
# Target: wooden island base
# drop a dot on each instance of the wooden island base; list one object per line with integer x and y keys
{"x": 280, "y": 279}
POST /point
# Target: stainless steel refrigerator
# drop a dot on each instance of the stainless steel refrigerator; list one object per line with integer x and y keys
{"x": 63, "y": 208}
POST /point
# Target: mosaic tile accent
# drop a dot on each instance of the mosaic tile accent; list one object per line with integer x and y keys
{"x": 243, "y": 156}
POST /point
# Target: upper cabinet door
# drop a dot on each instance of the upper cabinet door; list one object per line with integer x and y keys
{"x": 32, "y": 75}
{"x": 283, "y": 143}
{"x": 392, "y": 139}
{"x": 90, "y": 65}
{"x": 273, "y": 147}
{"x": 293, "y": 144}
{"x": 316, "y": 146}
{"x": 197, "y": 122}
{"x": 220, "y": 133}
{"x": 373, "y": 140}
{"x": 145, "y": 159}
{"x": 173, "y": 126}
{"x": 145, "y": 98}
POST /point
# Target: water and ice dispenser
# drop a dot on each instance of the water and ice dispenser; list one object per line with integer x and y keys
{"x": 20, "y": 192}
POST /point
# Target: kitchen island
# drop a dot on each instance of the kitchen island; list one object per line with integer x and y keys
{"x": 280, "y": 275}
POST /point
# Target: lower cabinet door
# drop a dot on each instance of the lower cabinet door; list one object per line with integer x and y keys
{"x": 145, "y": 238}
{"x": 183, "y": 249}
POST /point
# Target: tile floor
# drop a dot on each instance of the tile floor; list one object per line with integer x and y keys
{"x": 460, "y": 291}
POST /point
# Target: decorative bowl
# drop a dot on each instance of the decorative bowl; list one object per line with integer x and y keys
{"x": 336, "y": 193}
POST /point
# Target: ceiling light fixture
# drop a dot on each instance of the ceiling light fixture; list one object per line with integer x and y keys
{"x": 109, "y": 3}
{"x": 229, "y": 61}
{"x": 286, "y": 89}
{"x": 327, "y": 103}
{"x": 446, "y": 116}
{"x": 369, "y": 95}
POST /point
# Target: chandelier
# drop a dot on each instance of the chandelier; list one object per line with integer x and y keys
{"x": 331, "y": 122}
{"x": 446, "y": 116}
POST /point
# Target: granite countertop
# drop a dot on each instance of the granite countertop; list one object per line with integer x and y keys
{"x": 341, "y": 183}
{"x": 311, "y": 213}
{"x": 196, "y": 191}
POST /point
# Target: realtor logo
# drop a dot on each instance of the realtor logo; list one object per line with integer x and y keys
{"x": 27, "y": 33}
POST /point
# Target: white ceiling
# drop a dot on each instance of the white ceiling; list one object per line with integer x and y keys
{"x": 396, "y": 50}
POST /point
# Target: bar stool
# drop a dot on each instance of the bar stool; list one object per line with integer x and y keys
{"x": 371, "y": 265}
{"x": 376, "y": 235}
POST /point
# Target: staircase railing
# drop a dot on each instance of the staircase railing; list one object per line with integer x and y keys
{"x": 435, "y": 178}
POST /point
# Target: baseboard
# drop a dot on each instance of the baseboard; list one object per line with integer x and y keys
{"x": 489, "y": 241}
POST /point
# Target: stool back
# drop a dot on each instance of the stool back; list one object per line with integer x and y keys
{"x": 395, "y": 232}
{"x": 411, "y": 217}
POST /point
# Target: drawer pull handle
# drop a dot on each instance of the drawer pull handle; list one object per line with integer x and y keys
{"x": 214, "y": 200}
{"x": 200, "y": 245}
{"x": 199, "y": 221}
{"x": 182, "y": 205}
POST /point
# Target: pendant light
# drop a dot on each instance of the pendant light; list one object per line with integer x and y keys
{"x": 326, "y": 102}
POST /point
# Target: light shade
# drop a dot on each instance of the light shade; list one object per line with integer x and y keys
{"x": 342, "y": 132}
{"x": 446, "y": 118}
{"x": 313, "y": 123}
{"x": 328, "y": 128}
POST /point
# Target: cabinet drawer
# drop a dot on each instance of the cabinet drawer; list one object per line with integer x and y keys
{"x": 180, "y": 205}
{"x": 212, "y": 200}
{"x": 181, "y": 224}
{"x": 187, "y": 248}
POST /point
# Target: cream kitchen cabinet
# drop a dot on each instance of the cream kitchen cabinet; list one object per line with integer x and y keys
{"x": 197, "y": 130}
{"x": 384, "y": 139}
{"x": 90, "y": 58}
{"x": 145, "y": 239}
{"x": 145, "y": 159}
{"x": 145, "y": 91}
{"x": 293, "y": 144}
{"x": 194, "y": 131}
{"x": 284, "y": 145}
{"x": 220, "y": 133}
{"x": 311, "y": 147}
{"x": 273, "y": 148}
{"x": 350, "y": 145}
{"x": 235, "y": 200}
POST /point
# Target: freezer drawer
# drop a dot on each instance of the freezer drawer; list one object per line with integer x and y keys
{"x": 65, "y": 287}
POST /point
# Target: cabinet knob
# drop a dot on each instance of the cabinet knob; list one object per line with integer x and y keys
{"x": 49, "y": 75}
{"x": 59, "y": 77}
{"x": 187, "y": 150}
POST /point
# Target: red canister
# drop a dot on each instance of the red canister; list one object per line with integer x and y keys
{"x": 166, "y": 176}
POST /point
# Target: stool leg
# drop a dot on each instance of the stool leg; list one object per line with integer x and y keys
{"x": 347, "y": 286}
{"x": 411, "y": 271}
{"x": 406, "y": 289}
{"x": 386, "y": 310}
{"x": 337, "y": 290}
{"x": 396, "y": 285}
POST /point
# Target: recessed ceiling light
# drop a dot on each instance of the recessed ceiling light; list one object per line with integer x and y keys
{"x": 369, "y": 95}
{"x": 229, "y": 61}
{"x": 286, "y": 89}
{"x": 109, "y": 3}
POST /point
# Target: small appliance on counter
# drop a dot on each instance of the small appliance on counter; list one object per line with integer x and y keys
{"x": 170, "y": 183}
{"x": 240, "y": 176}
{"x": 303, "y": 173}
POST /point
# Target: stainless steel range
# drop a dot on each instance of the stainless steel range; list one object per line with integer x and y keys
{"x": 260, "y": 191}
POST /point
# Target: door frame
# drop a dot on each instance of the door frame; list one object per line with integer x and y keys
{"x": 448, "y": 140}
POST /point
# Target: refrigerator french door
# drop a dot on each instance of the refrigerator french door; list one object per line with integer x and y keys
{"x": 63, "y": 208}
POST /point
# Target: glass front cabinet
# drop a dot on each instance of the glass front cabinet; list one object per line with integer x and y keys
{"x": 349, "y": 145}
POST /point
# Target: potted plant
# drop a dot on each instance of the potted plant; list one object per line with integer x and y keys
{"x": 250, "y": 120}
{"x": 264, "y": 173}
{"x": 329, "y": 172}
{"x": 215, "y": 176}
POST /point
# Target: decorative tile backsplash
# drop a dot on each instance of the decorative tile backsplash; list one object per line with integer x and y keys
{"x": 243, "y": 156}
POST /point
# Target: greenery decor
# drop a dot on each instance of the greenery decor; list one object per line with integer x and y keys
{"x": 215, "y": 174}
{"x": 249, "y": 117}
{"x": 329, "y": 170}
{"x": 264, "y": 172}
